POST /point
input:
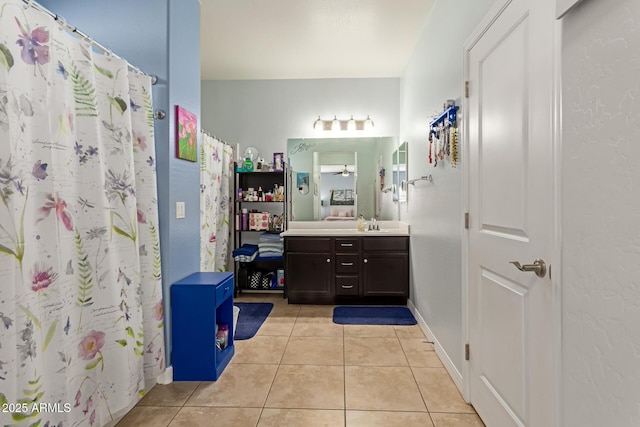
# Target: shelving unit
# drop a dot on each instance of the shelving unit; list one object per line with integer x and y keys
{"x": 266, "y": 180}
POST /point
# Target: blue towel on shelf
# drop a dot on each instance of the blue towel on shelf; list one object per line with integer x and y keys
{"x": 269, "y": 254}
{"x": 246, "y": 250}
{"x": 270, "y": 246}
{"x": 270, "y": 237}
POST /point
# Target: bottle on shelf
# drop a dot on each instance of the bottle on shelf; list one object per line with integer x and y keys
{"x": 248, "y": 165}
{"x": 239, "y": 193}
{"x": 245, "y": 219}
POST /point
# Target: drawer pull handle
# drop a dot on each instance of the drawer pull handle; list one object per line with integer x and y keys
{"x": 328, "y": 259}
{"x": 346, "y": 245}
{"x": 366, "y": 260}
{"x": 347, "y": 286}
{"x": 347, "y": 264}
{"x": 226, "y": 289}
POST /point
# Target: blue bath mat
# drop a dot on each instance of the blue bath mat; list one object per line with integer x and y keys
{"x": 373, "y": 315}
{"x": 250, "y": 318}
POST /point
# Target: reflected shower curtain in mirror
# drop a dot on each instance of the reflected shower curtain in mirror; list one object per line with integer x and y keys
{"x": 216, "y": 168}
{"x": 81, "y": 314}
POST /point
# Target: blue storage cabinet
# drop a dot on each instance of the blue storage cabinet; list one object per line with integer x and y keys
{"x": 198, "y": 302}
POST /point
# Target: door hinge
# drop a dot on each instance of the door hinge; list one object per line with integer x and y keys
{"x": 466, "y": 88}
{"x": 466, "y": 220}
{"x": 466, "y": 352}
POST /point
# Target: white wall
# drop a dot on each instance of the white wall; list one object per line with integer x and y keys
{"x": 265, "y": 113}
{"x": 601, "y": 214}
{"x": 434, "y": 210}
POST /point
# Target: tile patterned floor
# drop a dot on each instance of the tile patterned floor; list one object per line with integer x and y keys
{"x": 303, "y": 370}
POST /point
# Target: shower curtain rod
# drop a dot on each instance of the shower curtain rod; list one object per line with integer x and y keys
{"x": 109, "y": 52}
{"x": 215, "y": 137}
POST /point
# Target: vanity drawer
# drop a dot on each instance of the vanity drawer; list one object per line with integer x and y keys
{"x": 347, "y": 244}
{"x": 347, "y": 263}
{"x": 308, "y": 244}
{"x": 400, "y": 244}
{"x": 347, "y": 285}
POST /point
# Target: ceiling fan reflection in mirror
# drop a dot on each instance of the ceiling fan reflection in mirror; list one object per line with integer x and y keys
{"x": 344, "y": 172}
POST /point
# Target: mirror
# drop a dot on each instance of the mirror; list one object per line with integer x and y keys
{"x": 334, "y": 195}
{"x": 400, "y": 173}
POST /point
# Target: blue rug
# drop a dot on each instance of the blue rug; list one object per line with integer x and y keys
{"x": 373, "y": 315}
{"x": 250, "y": 318}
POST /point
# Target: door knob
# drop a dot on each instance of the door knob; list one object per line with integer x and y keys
{"x": 538, "y": 267}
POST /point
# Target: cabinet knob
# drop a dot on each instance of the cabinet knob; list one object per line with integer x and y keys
{"x": 366, "y": 260}
{"x": 328, "y": 259}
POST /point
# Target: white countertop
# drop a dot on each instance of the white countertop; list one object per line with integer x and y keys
{"x": 347, "y": 228}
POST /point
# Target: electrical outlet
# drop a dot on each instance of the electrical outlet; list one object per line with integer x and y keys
{"x": 180, "y": 210}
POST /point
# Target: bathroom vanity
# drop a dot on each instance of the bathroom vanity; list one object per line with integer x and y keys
{"x": 339, "y": 265}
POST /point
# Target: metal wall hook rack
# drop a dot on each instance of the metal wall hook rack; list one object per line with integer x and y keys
{"x": 422, "y": 178}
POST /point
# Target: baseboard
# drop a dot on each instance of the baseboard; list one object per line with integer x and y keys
{"x": 166, "y": 377}
{"x": 444, "y": 357}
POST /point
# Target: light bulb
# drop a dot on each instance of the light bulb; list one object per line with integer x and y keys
{"x": 351, "y": 124}
{"x": 335, "y": 124}
{"x": 345, "y": 172}
{"x": 368, "y": 123}
{"x": 317, "y": 125}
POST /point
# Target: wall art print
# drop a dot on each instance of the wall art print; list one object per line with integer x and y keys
{"x": 186, "y": 135}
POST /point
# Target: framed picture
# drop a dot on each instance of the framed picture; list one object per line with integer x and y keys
{"x": 278, "y": 162}
{"x": 186, "y": 135}
{"x": 302, "y": 182}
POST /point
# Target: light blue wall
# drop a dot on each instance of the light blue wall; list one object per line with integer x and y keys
{"x": 162, "y": 37}
{"x": 265, "y": 113}
{"x": 434, "y": 211}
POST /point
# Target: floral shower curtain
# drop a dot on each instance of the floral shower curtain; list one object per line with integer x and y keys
{"x": 216, "y": 167}
{"x": 81, "y": 320}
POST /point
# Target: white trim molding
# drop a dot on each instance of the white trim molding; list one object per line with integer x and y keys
{"x": 442, "y": 354}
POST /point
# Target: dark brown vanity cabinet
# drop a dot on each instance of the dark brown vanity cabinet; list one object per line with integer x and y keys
{"x": 329, "y": 270}
{"x": 308, "y": 265}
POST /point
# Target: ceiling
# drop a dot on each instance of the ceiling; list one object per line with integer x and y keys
{"x": 304, "y": 39}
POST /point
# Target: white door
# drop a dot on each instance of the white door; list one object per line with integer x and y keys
{"x": 510, "y": 73}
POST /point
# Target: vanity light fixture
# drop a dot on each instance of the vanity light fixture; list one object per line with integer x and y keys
{"x": 340, "y": 125}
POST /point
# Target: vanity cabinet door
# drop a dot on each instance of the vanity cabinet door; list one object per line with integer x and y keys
{"x": 385, "y": 266}
{"x": 385, "y": 274}
{"x": 309, "y": 273}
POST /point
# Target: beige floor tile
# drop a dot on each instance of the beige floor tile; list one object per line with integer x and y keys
{"x": 439, "y": 391}
{"x": 282, "y": 310}
{"x": 240, "y": 385}
{"x": 307, "y": 387}
{"x": 174, "y": 394}
{"x": 382, "y": 388}
{"x": 387, "y": 419}
{"x": 420, "y": 353}
{"x": 218, "y": 417}
{"x": 412, "y": 331}
{"x": 373, "y": 352}
{"x": 301, "y": 418}
{"x": 260, "y": 349}
{"x": 316, "y": 311}
{"x": 314, "y": 351}
{"x": 277, "y": 326}
{"x": 316, "y": 327}
{"x": 456, "y": 420}
{"x": 364, "y": 331}
{"x": 148, "y": 416}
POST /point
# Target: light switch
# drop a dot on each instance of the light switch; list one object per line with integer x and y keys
{"x": 179, "y": 210}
